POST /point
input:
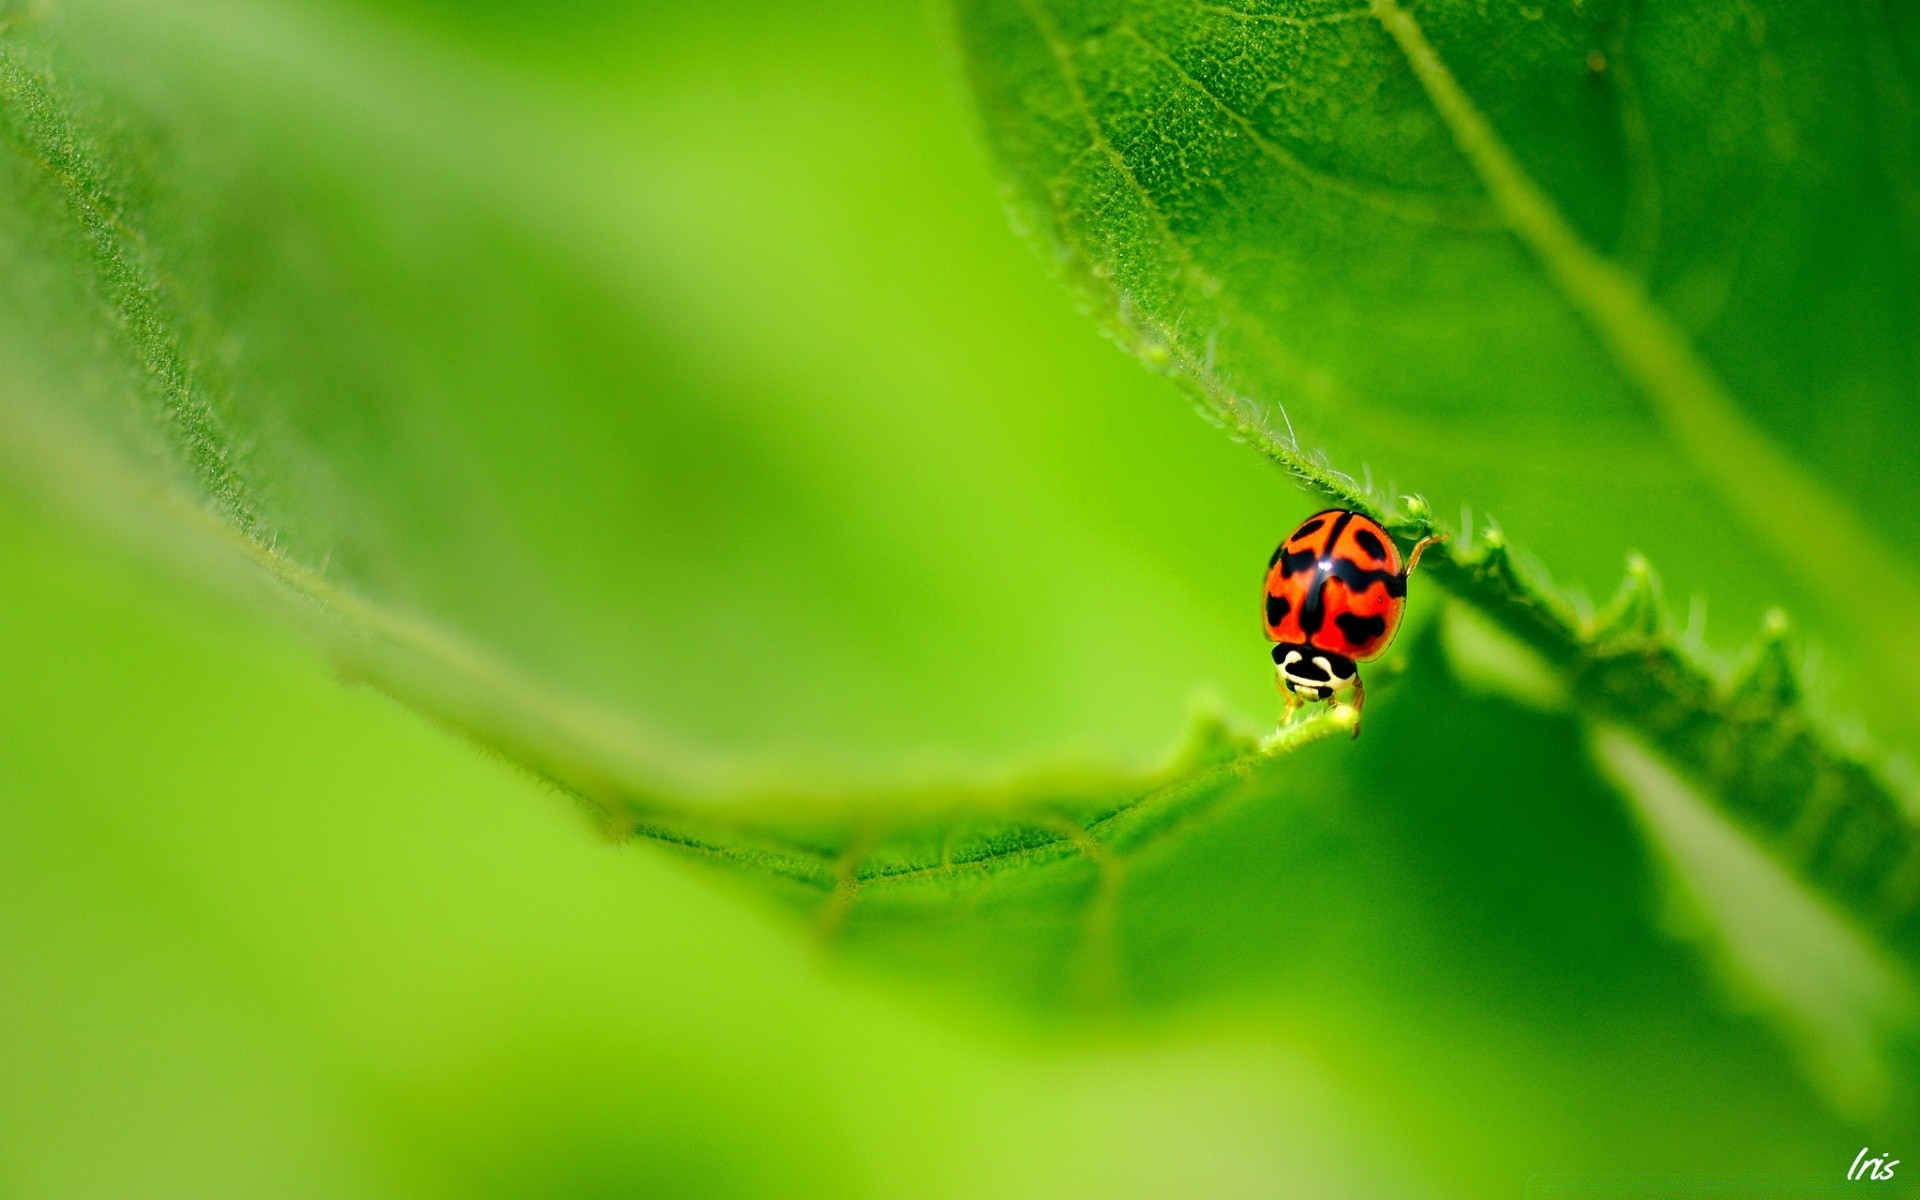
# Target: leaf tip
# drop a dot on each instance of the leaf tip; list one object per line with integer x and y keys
{"x": 1637, "y": 610}
{"x": 1769, "y": 679}
{"x": 1774, "y": 626}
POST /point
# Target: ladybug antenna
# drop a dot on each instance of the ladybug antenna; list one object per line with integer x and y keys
{"x": 1420, "y": 548}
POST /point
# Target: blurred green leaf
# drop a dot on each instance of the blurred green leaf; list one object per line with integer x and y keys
{"x": 544, "y": 363}
{"x": 284, "y": 940}
{"x": 270, "y": 937}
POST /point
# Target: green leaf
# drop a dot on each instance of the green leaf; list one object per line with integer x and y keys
{"x": 550, "y": 371}
{"x": 1589, "y": 267}
{"x": 270, "y": 936}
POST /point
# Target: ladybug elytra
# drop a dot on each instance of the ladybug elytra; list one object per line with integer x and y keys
{"x": 1335, "y": 592}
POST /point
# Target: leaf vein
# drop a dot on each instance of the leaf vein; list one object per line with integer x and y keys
{"x": 1411, "y": 206}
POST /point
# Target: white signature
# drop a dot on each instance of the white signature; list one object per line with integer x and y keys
{"x": 1880, "y": 1168}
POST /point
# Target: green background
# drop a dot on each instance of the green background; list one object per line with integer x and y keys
{"x": 685, "y": 360}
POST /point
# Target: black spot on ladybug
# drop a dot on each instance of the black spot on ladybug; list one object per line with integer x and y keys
{"x": 1308, "y": 529}
{"x": 1358, "y": 578}
{"x": 1341, "y": 666}
{"x": 1339, "y": 527}
{"x": 1313, "y": 611}
{"x": 1370, "y": 544}
{"x": 1321, "y": 693}
{"x": 1360, "y": 630}
{"x": 1277, "y": 609}
{"x": 1294, "y": 562}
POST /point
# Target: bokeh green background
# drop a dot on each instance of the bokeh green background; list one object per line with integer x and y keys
{"x": 686, "y": 360}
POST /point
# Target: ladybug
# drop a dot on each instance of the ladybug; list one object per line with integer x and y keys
{"x": 1335, "y": 591}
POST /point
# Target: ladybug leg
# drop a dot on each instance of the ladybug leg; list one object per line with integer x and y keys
{"x": 1359, "y": 701}
{"x": 1293, "y": 706}
{"x": 1419, "y": 548}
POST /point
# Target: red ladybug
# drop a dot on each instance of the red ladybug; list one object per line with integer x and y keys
{"x": 1335, "y": 592}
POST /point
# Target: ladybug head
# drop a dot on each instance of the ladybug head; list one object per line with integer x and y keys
{"x": 1312, "y": 673}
